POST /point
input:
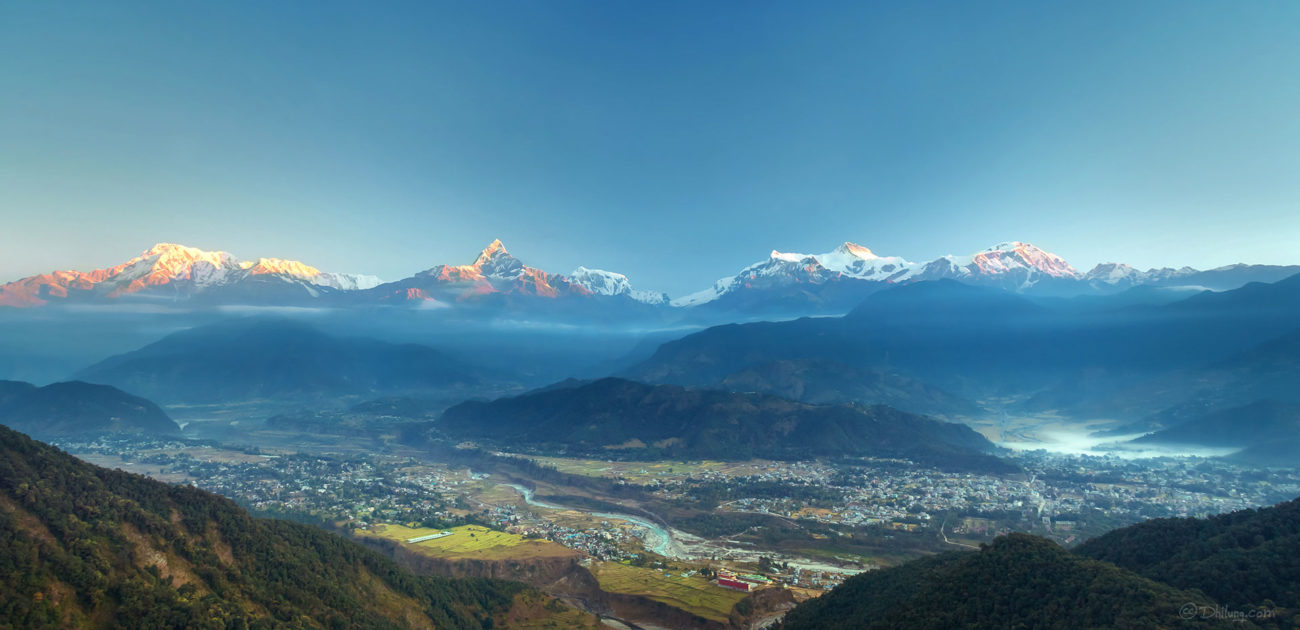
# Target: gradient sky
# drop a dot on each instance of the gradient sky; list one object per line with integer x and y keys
{"x": 672, "y": 141}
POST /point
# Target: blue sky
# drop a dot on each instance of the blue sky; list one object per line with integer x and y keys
{"x": 671, "y": 141}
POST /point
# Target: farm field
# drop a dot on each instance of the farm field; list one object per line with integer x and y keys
{"x": 694, "y": 594}
{"x": 471, "y": 541}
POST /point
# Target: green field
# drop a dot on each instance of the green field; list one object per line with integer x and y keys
{"x": 470, "y": 540}
{"x": 642, "y": 472}
{"x": 694, "y": 594}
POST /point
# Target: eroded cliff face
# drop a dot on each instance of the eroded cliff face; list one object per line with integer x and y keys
{"x": 567, "y": 579}
{"x": 762, "y": 608}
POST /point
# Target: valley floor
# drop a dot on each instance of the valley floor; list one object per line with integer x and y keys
{"x": 660, "y": 531}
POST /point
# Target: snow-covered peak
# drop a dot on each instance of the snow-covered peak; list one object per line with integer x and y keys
{"x": 1016, "y": 254}
{"x": 302, "y": 271}
{"x": 789, "y": 257}
{"x": 855, "y": 250}
{"x": 179, "y": 270}
{"x": 856, "y": 261}
{"x": 171, "y": 256}
{"x": 346, "y": 281}
{"x": 165, "y": 263}
{"x": 601, "y": 282}
{"x": 719, "y": 288}
{"x": 1013, "y": 264}
{"x": 785, "y": 268}
{"x": 1008, "y": 246}
{"x": 494, "y": 261}
{"x": 1112, "y": 273}
{"x": 494, "y": 249}
{"x": 280, "y": 266}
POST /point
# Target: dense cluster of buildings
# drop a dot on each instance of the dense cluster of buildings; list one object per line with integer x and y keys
{"x": 1059, "y": 495}
{"x": 1067, "y": 497}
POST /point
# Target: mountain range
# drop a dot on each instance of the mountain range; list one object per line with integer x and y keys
{"x": 1267, "y": 430}
{"x": 943, "y": 348}
{"x": 784, "y": 283}
{"x": 963, "y": 342}
{"x": 269, "y": 357}
{"x": 175, "y": 272}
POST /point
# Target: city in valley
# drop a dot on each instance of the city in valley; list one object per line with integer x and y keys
{"x": 697, "y": 535}
{"x": 649, "y": 315}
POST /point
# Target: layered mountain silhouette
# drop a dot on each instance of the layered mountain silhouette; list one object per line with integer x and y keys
{"x": 620, "y": 417}
{"x": 1128, "y": 361}
{"x": 1268, "y": 431}
{"x": 267, "y": 357}
{"x": 77, "y": 409}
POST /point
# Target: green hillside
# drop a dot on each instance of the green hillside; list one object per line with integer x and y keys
{"x": 1019, "y": 581}
{"x": 1249, "y": 557}
{"x": 616, "y": 417}
{"x": 83, "y": 546}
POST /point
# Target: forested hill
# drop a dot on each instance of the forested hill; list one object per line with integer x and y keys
{"x": 77, "y": 408}
{"x": 614, "y": 416}
{"x": 83, "y": 546}
{"x": 1019, "y": 581}
{"x": 1249, "y": 557}
{"x": 1247, "y": 563}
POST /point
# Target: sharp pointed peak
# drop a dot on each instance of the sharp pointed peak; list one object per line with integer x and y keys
{"x": 495, "y": 249}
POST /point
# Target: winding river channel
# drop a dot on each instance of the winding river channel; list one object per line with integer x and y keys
{"x": 658, "y": 539}
{"x": 680, "y": 545}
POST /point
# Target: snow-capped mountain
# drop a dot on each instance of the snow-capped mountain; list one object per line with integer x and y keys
{"x": 1113, "y": 275}
{"x": 1011, "y": 265}
{"x": 495, "y": 270}
{"x": 1121, "y": 276}
{"x": 826, "y": 281}
{"x": 784, "y": 284}
{"x": 1118, "y": 276}
{"x": 173, "y": 271}
{"x": 856, "y": 261}
{"x": 849, "y": 260}
{"x": 601, "y": 282}
{"x": 495, "y": 275}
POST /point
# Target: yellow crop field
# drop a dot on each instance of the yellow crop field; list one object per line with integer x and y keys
{"x": 471, "y": 540}
{"x": 694, "y": 594}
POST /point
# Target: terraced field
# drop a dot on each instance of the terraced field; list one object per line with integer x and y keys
{"x": 471, "y": 541}
{"x": 694, "y": 594}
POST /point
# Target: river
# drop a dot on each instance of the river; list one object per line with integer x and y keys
{"x": 679, "y": 545}
{"x": 658, "y": 539}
